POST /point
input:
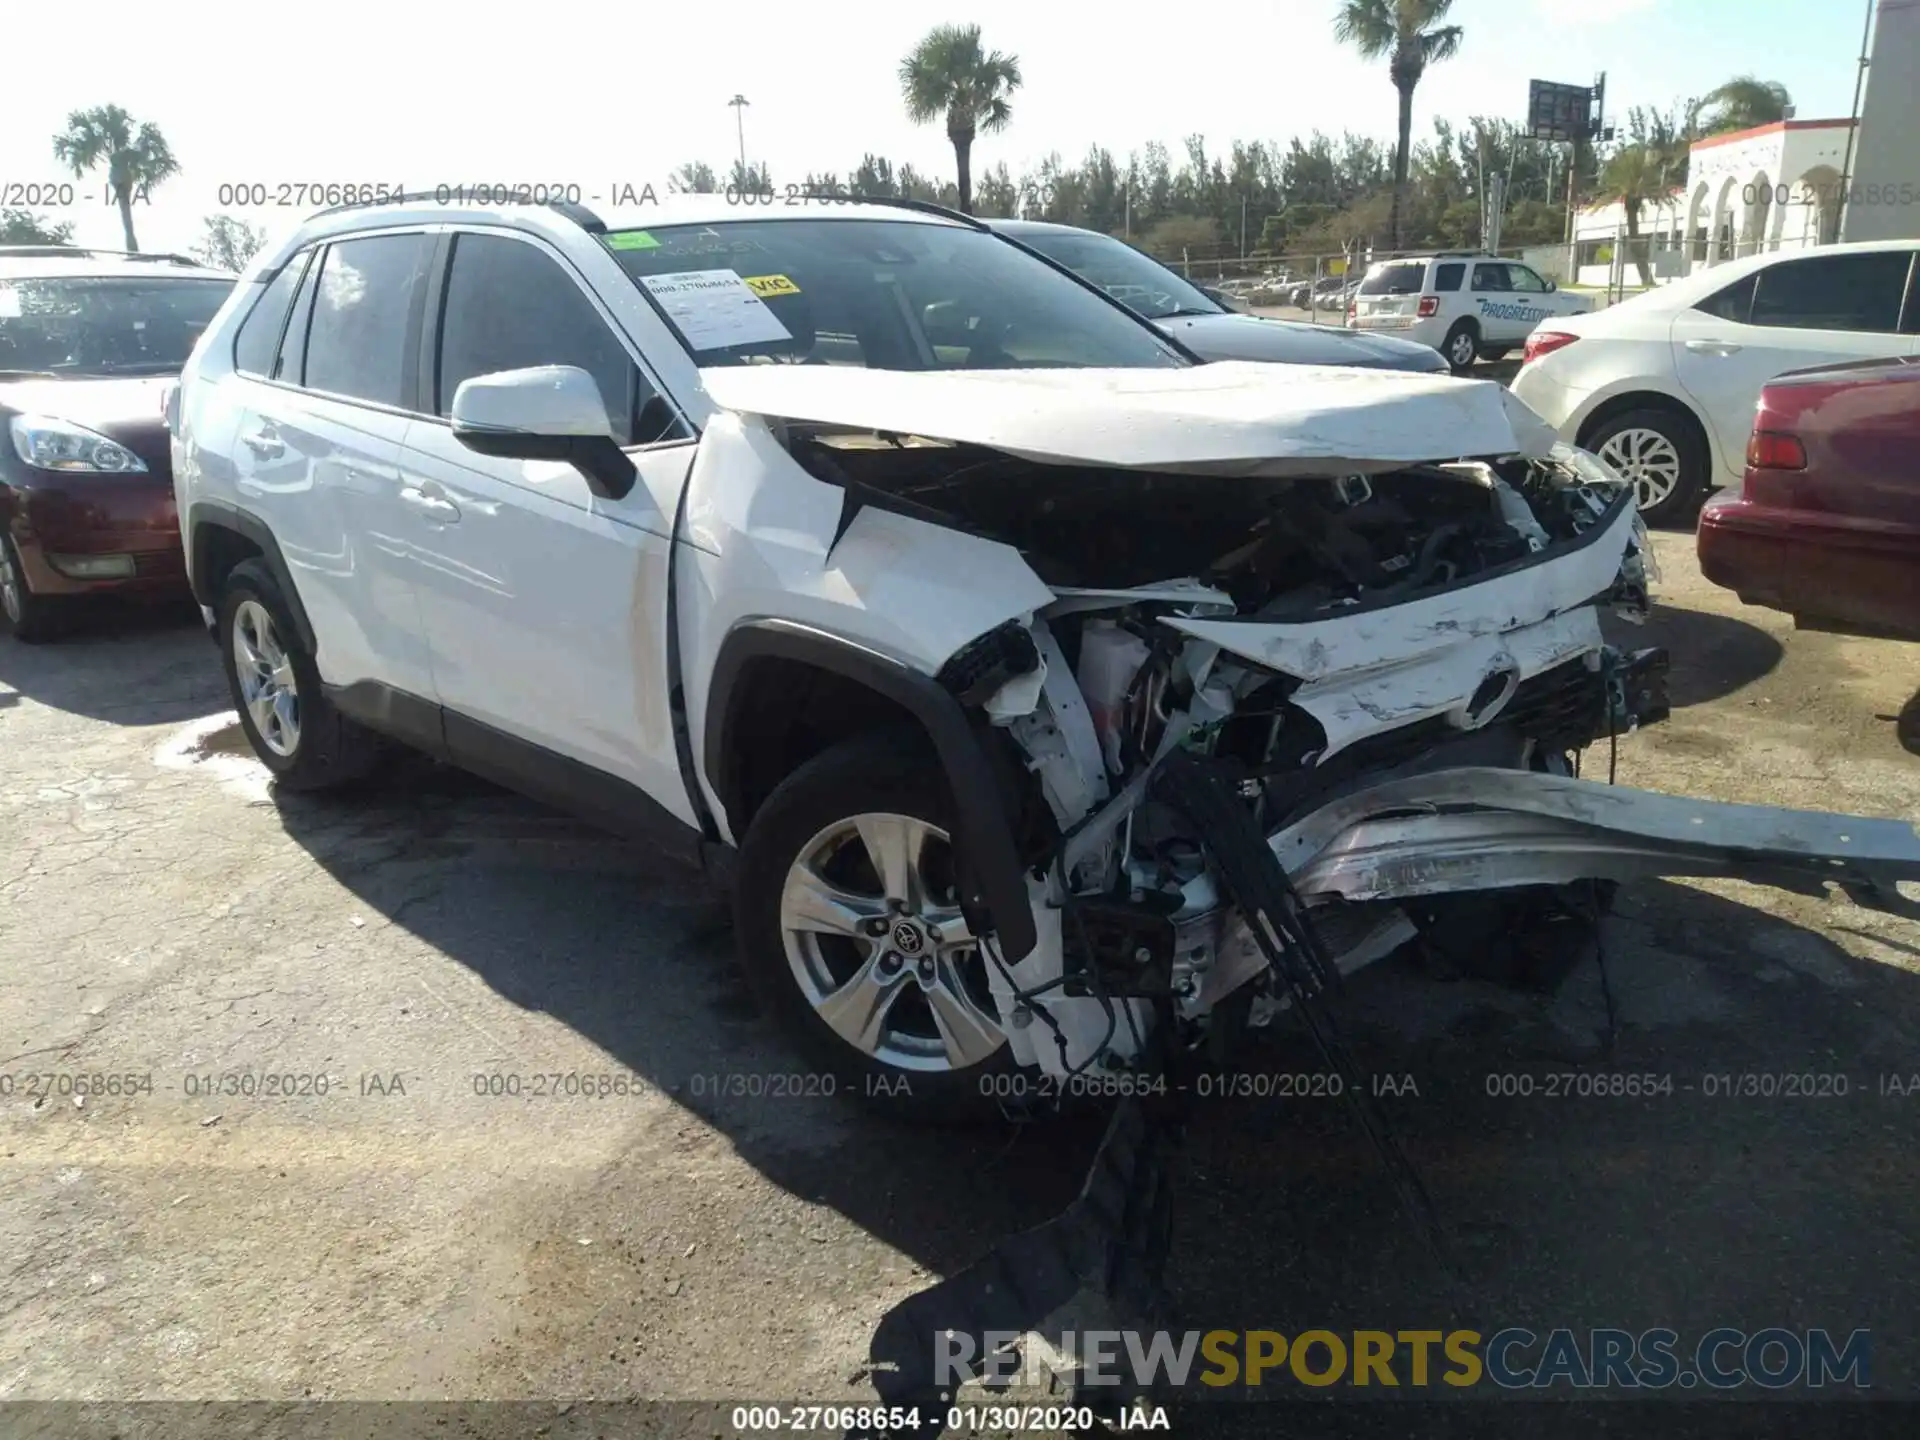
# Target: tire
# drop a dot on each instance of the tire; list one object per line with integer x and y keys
{"x": 1908, "y": 726}
{"x": 1661, "y": 455}
{"x": 28, "y": 617}
{"x": 910, "y": 1065}
{"x": 1462, "y": 346}
{"x": 308, "y": 745}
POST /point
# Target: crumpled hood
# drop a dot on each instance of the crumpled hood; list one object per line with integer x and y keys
{"x": 1234, "y": 417}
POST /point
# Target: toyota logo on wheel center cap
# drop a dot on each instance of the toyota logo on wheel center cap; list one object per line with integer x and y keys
{"x": 907, "y": 938}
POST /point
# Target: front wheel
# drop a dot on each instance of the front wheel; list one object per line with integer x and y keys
{"x": 24, "y": 615}
{"x": 1661, "y": 456}
{"x": 1908, "y": 726}
{"x": 851, "y": 933}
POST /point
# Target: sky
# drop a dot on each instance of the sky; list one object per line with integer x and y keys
{"x": 573, "y": 92}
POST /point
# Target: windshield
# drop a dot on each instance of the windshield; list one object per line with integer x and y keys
{"x": 104, "y": 324}
{"x": 1140, "y": 283}
{"x": 884, "y": 294}
{"x": 1403, "y": 277}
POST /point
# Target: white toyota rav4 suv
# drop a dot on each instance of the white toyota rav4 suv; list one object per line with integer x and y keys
{"x": 1468, "y": 307}
{"x": 1049, "y": 703}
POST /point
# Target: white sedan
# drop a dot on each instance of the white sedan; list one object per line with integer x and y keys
{"x": 1663, "y": 386}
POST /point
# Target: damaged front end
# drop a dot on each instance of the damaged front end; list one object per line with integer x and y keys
{"x": 1297, "y": 699}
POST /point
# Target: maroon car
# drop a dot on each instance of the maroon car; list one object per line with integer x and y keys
{"x": 88, "y": 341}
{"x": 1826, "y": 524}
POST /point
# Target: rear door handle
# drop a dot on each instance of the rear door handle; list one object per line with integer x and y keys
{"x": 265, "y": 443}
{"x": 437, "y": 507}
{"x": 1713, "y": 347}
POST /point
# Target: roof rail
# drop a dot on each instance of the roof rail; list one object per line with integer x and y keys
{"x": 47, "y": 252}
{"x": 578, "y": 214}
{"x": 903, "y": 202}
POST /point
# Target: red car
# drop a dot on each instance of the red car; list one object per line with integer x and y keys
{"x": 1826, "y": 524}
{"x": 89, "y": 339}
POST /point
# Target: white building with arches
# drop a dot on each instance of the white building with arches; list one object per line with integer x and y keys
{"x": 1774, "y": 187}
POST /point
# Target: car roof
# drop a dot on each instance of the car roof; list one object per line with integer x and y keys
{"x": 561, "y": 222}
{"x": 1039, "y": 227}
{"x": 46, "y": 262}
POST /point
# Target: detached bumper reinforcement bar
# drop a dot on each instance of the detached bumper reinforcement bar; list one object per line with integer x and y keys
{"x": 1478, "y": 829}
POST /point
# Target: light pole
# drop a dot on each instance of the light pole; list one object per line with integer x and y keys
{"x": 739, "y": 104}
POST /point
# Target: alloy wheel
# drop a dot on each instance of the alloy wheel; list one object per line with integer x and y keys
{"x": 870, "y": 918}
{"x": 268, "y": 686}
{"x": 10, "y": 599}
{"x": 1461, "y": 350}
{"x": 1646, "y": 460}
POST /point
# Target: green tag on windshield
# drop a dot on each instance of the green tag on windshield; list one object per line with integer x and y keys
{"x": 632, "y": 240}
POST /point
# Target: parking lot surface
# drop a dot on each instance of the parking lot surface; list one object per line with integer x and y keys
{"x": 426, "y": 1092}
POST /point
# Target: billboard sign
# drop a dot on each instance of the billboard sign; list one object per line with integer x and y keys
{"x": 1559, "y": 112}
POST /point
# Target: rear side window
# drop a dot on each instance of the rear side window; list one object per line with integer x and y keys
{"x": 1447, "y": 278}
{"x": 1405, "y": 277}
{"x": 508, "y": 306}
{"x": 1733, "y": 303}
{"x": 357, "y": 342}
{"x": 258, "y": 343}
{"x": 1834, "y": 292}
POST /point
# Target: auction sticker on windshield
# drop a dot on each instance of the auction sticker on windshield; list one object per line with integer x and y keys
{"x": 715, "y": 309}
{"x": 764, "y": 285}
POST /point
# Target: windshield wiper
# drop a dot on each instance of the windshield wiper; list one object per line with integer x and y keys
{"x": 27, "y": 375}
{"x": 1185, "y": 310}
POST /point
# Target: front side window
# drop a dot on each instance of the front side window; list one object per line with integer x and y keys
{"x": 1491, "y": 277}
{"x": 357, "y": 339}
{"x": 258, "y": 343}
{"x": 885, "y": 294}
{"x": 1138, "y": 282}
{"x": 1400, "y": 277}
{"x": 1833, "y": 292}
{"x": 508, "y": 306}
{"x": 104, "y": 324}
{"x": 1525, "y": 280}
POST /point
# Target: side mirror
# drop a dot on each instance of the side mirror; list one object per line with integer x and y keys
{"x": 1552, "y": 285}
{"x": 550, "y": 412}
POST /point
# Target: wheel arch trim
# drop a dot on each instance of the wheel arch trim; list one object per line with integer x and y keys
{"x": 204, "y": 516}
{"x": 981, "y": 818}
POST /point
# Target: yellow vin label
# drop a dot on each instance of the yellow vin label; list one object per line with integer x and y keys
{"x": 769, "y": 285}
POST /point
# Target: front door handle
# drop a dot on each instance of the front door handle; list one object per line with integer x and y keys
{"x": 1713, "y": 347}
{"x": 265, "y": 443}
{"x": 437, "y": 507}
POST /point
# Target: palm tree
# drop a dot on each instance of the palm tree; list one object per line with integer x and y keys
{"x": 136, "y": 157}
{"x": 1744, "y": 102}
{"x": 1646, "y": 169}
{"x": 948, "y": 75}
{"x": 1409, "y": 34}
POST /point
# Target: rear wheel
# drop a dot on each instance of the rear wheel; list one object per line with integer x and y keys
{"x": 288, "y": 720}
{"x": 24, "y": 615}
{"x": 1908, "y": 728}
{"x": 851, "y": 935}
{"x": 1661, "y": 455}
{"x": 1462, "y": 346}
